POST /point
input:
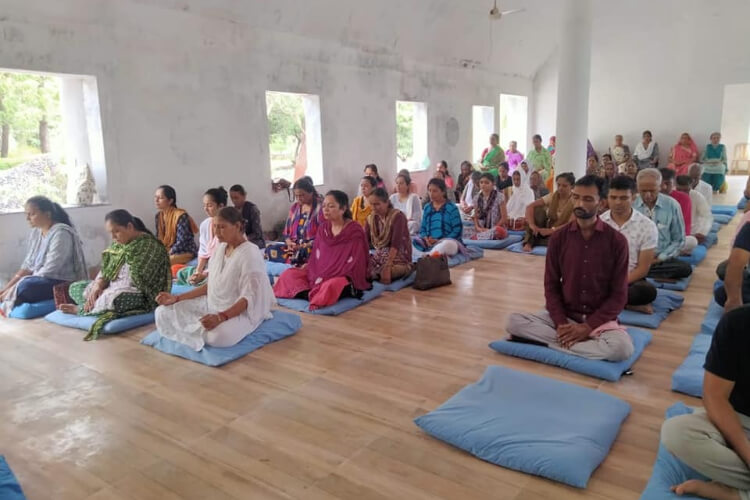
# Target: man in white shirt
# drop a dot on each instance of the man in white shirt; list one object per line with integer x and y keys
{"x": 695, "y": 172}
{"x": 701, "y": 217}
{"x": 643, "y": 239}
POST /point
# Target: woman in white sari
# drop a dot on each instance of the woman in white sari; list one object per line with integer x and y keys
{"x": 521, "y": 197}
{"x": 234, "y": 301}
{"x": 646, "y": 153}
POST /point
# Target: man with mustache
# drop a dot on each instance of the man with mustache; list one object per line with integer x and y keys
{"x": 585, "y": 285}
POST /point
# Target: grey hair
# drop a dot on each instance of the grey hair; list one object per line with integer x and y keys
{"x": 694, "y": 165}
{"x": 649, "y": 172}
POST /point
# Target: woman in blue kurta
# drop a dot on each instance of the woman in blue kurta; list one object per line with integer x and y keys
{"x": 441, "y": 223}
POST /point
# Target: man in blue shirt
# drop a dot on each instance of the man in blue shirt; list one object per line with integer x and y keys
{"x": 665, "y": 212}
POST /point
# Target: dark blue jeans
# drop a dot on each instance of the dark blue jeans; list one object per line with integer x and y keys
{"x": 35, "y": 289}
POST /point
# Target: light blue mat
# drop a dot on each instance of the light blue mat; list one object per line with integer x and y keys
{"x": 282, "y": 325}
{"x": 529, "y": 423}
{"x": 688, "y": 378}
{"x": 666, "y": 302}
{"x": 32, "y": 310}
{"x": 518, "y": 248}
{"x": 86, "y": 322}
{"x": 339, "y": 307}
{"x": 493, "y": 244}
{"x": 607, "y": 370}
{"x": 395, "y": 286}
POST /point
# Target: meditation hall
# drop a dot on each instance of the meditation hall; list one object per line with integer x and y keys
{"x": 391, "y": 250}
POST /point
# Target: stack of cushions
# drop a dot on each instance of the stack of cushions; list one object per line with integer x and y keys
{"x": 282, "y": 325}
{"x": 531, "y": 424}
{"x": 607, "y": 370}
{"x": 730, "y": 210}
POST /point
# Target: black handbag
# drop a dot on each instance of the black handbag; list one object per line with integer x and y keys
{"x": 432, "y": 272}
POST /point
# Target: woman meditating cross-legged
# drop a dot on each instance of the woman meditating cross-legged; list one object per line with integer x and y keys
{"x": 55, "y": 256}
{"x": 234, "y": 301}
{"x": 646, "y": 154}
{"x": 714, "y": 161}
{"x": 490, "y": 216}
{"x": 174, "y": 227}
{"x": 338, "y": 262}
{"x": 213, "y": 200}
{"x": 545, "y": 215}
{"x": 407, "y": 202}
{"x": 521, "y": 197}
{"x": 135, "y": 270}
{"x": 441, "y": 223}
{"x": 683, "y": 154}
{"x": 361, "y": 208}
{"x": 251, "y": 214}
{"x": 387, "y": 232}
{"x": 305, "y": 216}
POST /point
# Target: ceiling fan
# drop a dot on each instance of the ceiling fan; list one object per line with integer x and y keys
{"x": 497, "y": 14}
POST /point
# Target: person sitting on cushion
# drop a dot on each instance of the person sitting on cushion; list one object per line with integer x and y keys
{"x": 371, "y": 170}
{"x": 469, "y": 195}
{"x": 55, "y": 256}
{"x": 513, "y": 156}
{"x": 338, "y": 262}
{"x": 665, "y": 212}
{"x": 714, "y": 440}
{"x": 537, "y": 185}
{"x": 490, "y": 217}
{"x": 700, "y": 212}
{"x": 695, "y": 171}
{"x": 642, "y": 236}
{"x": 668, "y": 185}
{"x": 492, "y": 156}
{"x": 442, "y": 167}
{"x": 585, "y": 285}
{"x": 683, "y": 154}
{"x": 521, "y": 197}
{"x": 646, "y": 153}
{"x": 546, "y": 214}
{"x": 407, "y": 202}
{"x": 631, "y": 169}
{"x": 734, "y": 272}
{"x": 463, "y": 180}
{"x": 305, "y": 216}
{"x": 361, "y": 208}
{"x": 609, "y": 170}
{"x": 174, "y": 227}
{"x": 503, "y": 178}
{"x": 620, "y": 152}
{"x": 213, "y": 200}
{"x": 441, "y": 223}
{"x": 539, "y": 158}
{"x": 135, "y": 270}
{"x": 387, "y": 232}
{"x": 714, "y": 162}
{"x": 251, "y": 214}
{"x": 234, "y": 301}
{"x": 592, "y": 166}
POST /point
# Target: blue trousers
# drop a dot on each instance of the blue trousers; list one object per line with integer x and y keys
{"x": 35, "y": 289}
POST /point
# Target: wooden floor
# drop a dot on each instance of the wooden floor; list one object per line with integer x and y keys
{"x": 326, "y": 414}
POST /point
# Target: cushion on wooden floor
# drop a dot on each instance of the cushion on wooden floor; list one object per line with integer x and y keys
{"x": 696, "y": 257}
{"x": 516, "y": 233}
{"x": 518, "y": 248}
{"x": 688, "y": 377}
{"x": 716, "y": 227}
{"x": 494, "y": 244}
{"x": 9, "y": 487}
{"x": 666, "y": 302}
{"x": 32, "y": 310}
{"x": 472, "y": 253}
{"x": 86, "y": 322}
{"x": 712, "y": 317}
{"x": 742, "y": 204}
{"x": 722, "y": 219}
{"x": 712, "y": 239}
{"x": 282, "y": 325}
{"x": 607, "y": 370}
{"x": 395, "y": 286}
{"x": 679, "y": 285}
{"x": 730, "y": 210}
{"x": 668, "y": 470}
{"x": 339, "y": 307}
{"x": 276, "y": 268}
{"x": 529, "y": 423}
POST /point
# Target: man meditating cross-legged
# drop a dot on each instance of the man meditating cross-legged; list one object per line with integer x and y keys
{"x": 642, "y": 236}
{"x": 714, "y": 441}
{"x": 585, "y": 285}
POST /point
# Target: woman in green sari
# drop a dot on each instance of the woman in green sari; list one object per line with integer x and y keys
{"x": 492, "y": 156}
{"x": 135, "y": 269}
{"x": 714, "y": 160}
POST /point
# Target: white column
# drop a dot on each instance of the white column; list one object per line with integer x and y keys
{"x": 573, "y": 88}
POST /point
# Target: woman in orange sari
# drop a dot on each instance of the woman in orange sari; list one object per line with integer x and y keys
{"x": 683, "y": 154}
{"x": 174, "y": 227}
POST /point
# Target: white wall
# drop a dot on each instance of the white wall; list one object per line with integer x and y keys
{"x": 735, "y": 120}
{"x": 182, "y": 95}
{"x": 657, "y": 65}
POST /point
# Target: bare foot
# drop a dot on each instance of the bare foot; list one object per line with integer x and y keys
{"x": 706, "y": 489}
{"x": 69, "y": 308}
{"x": 385, "y": 275}
{"x": 527, "y": 248}
{"x": 647, "y": 309}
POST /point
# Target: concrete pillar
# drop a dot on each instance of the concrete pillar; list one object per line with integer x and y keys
{"x": 573, "y": 88}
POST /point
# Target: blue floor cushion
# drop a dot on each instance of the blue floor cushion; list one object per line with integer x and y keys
{"x": 529, "y": 423}
{"x": 395, "y": 286}
{"x": 513, "y": 232}
{"x": 742, "y": 204}
{"x": 472, "y": 253}
{"x": 730, "y": 210}
{"x": 722, "y": 219}
{"x": 688, "y": 378}
{"x": 518, "y": 248}
{"x": 86, "y": 322}
{"x": 9, "y": 487}
{"x": 679, "y": 285}
{"x": 339, "y": 307}
{"x": 607, "y": 370}
{"x": 712, "y": 239}
{"x": 666, "y": 302}
{"x": 32, "y": 310}
{"x": 282, "y": 325}
{"x": 696, "y": 257}
{"x": 494, "y": 244}
{"x": 716, "y": 227}
{"x": 668, "y": 470}
{"x": 276, "y": 268}
{"x": 712, "y": 317}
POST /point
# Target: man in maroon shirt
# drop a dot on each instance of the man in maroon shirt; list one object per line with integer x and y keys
{"x": 585, "y": 285}
{"x": 668, "y": 184}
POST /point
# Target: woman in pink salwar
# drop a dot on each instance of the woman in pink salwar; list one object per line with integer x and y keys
{"x": 337, "y": 266}
{"x": 683, "y": 154}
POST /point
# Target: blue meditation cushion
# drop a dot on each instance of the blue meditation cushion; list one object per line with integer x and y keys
{"x": 9, "y": 487}
{"x": 494, "y": 244}
{"x": 276, "y": 268}
{"x": 730, "y": 210}
{"x": 666, "y": 302}
{"x": 518, "y": 248}
{"x": 399, "y": 284}
{"x": 282, "y": 325}
{"x": 339, "y": 307}
{"x": 529, "y": 423}
{"x": 86, "y": 322}
{"x": 679, "y": 285}
{"x": 32, "y": 310}
{"x": 696, "y": 257}
{"x": 688, "y": 378}
{"x": 712, "y": 317}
